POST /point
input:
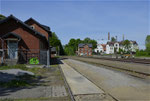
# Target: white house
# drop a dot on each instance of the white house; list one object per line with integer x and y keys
{"x": 111, "y": 46}
{"x": 101, "y": 48}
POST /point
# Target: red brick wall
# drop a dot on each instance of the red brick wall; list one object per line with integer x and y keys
{"x": 29, "y": 40}
{"x": 86, "y": 49}
{"x": 38, "y": 28}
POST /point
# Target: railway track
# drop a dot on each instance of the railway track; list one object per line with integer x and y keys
{"x": 141, "y": 61}
{"x": 139, "y": 69}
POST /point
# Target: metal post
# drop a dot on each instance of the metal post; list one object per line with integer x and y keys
{"x": 48, "y": 62}
{"x": 2, "y": 60}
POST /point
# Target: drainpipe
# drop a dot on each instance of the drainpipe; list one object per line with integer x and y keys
{"x": 48, "y": 52}
{"x": 2, "y": 51}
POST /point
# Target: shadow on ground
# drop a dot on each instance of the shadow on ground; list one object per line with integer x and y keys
{"x": 56, "y": 61}
{"x": 6, "y": 88}
{"x": 34, "y": 83}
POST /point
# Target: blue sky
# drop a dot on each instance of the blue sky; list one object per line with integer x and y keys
{"x": 86, "y": 18}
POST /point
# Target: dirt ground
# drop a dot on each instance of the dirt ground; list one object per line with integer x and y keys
{"x": 49, "y": 87}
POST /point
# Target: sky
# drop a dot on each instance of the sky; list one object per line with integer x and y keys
{"x": 86, "y": 18}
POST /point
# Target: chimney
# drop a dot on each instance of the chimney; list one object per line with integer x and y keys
{"x": 108, "y": 35}
{"x": 123, "y": 37}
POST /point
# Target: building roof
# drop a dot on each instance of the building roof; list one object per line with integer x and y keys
{"x": 53, "y": 49}
{"x": 134, "y": 42}
{"x": 111, "y": 43}
{"x": 83, "y": 44}
{"x": 46, "y": 28}
{"x": 121, "y": 42}
{"x": 25, "y": 25}
{"x": 11, "y": 33}
{"x": 104, "y": 46}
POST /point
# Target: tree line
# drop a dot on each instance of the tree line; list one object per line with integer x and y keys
{"x": 55, "y": 42}
{"x": 72, "y": 46}
{"x": 145, "y": 52}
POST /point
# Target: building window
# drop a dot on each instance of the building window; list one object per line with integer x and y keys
{"x": 32, "y": 27}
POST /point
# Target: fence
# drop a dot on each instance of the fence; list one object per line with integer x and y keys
{"x": 32, "y": 56}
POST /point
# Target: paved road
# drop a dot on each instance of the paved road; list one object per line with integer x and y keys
{"x": 81, "y": 87}
{"x": 119, "y": 85}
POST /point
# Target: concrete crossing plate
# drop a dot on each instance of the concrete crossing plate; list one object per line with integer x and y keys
{"x": 78, "y": 83}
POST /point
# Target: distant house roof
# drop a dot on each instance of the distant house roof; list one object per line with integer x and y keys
{"x": 134, "y": 42}
{"x": 25, "y": 25}
{"x": 46, "y": 28}
{"x": 121, "y": 42}
{"x": 104, "y": 46}
{"x": 82, "y": 45}
{"x": 110, "y": 43}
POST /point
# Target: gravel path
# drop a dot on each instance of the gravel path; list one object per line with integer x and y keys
{"x": 119, "y": 85}
{"x": 33, "y": 92}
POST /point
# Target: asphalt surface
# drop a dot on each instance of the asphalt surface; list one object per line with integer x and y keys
{"x": 121, "y": 86}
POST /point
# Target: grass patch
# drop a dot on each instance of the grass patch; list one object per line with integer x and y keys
{"x": 35, "y": 70}
{"x": 14, "y": 83}
{"x": 25, "y": 80}
{"x": 18, "y": 66}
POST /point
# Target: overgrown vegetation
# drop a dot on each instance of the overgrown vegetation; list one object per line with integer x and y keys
{"x": 146, "y": 52}
{"x": 2, "y": 17}
{"x": 14, "y": 83}
{"x": 22, "y": 67}
{"x": 21, "y": 81}
{"x": 72, "y": 46}
{"x": 18, "y": 66}
{"x": 142, "y": 53}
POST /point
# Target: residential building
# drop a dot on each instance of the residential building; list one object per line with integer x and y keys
{"x": 112, "y": 46}
{"x": 85, "y": 49}
{"x": 22, "y": 41}
{"x": 101, "y": 48}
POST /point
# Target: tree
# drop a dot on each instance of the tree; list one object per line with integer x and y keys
{"x": 72, "y": 46}
{"x": 78, "y": 41}
{"x": 72, "y": 43}
{"x": 113, "y": 39}
{"x": 55, "y": 42}
{"x": 126, "y": 44}
{"x": 69, "y": 50}
{"x": 87, "y": 40}
{"x": 2, "y": 17}
{"x": 94, "y": 43}
{"x": 147, "y": 43}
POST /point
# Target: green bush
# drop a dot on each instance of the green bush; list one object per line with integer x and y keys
{"x": 142, "y": 53}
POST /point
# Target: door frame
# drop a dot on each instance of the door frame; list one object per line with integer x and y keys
{"x": 8, "y": 41}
